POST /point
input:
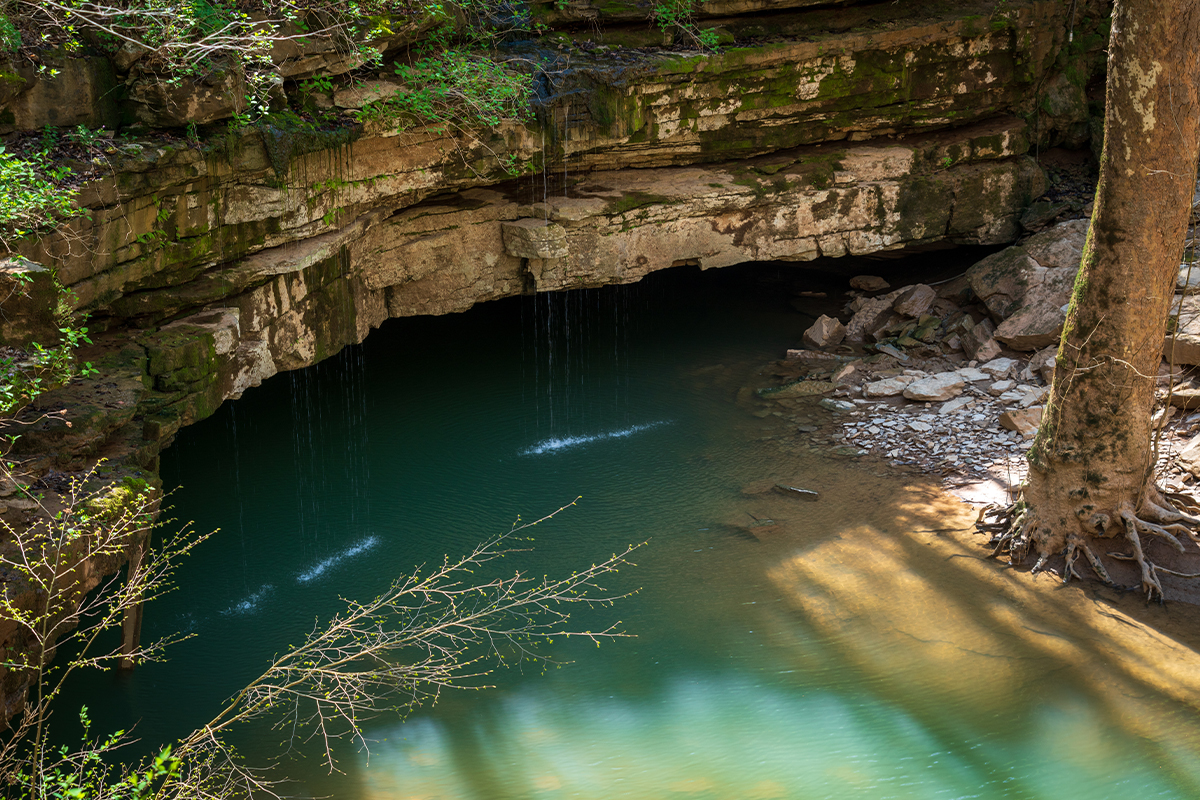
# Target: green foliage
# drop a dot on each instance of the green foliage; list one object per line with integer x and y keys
{"x": 31, "y": 372}
{"x": 675, "y": 18}
{"x": 10, "y": 37}
{"x": 318, "y": 84}
{"x": 455, "y": 86}
{"x": 34, "y": 192}
{"x": 27, "y": 373}
{"x": 94, "y": 771}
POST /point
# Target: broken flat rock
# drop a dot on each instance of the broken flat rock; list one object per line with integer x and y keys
{"x": 869, "y": 283}
{"x": 888, "y": 387}
{"x": 915, "y": 300}
{"x": 936, "y": 388}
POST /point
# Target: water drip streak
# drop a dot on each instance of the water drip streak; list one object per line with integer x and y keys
{"x": 251, "y": 603}
{"x": 325, "y": 564}
{"x": 237, "y": 493}
{"x": 555, "y": 444}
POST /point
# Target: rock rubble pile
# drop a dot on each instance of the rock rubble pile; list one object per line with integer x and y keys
{"x": 951, "y": 378}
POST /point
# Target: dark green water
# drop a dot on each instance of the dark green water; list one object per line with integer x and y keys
{"x": 328, "y": 483}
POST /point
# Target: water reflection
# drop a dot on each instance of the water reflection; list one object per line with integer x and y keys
{"x": 857, "y": 647}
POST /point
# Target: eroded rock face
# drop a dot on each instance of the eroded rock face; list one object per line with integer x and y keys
{"x": 286, "y": 302}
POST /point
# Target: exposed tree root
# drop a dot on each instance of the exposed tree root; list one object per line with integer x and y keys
{"x": 1015, "y": 530}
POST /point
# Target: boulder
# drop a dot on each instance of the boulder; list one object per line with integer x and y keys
{"x": 847, "y": 374}
{"x": 871, "y": 315}
{"x": 218, "y": 94}
{"x": 955, "y": 405}
{"x": 978, "y": 343}
{"x": 1041, "y": 214}
{"x": 999, "y": 367}
{"x": 1027, "y": 287}
{"x": 1059, "y": 247}
{"x": 988, "y": 349}
{"x": 936, "y": 388}
{"x": 915, "y": 300}
{"x": 1038, "y": 322}
{"x": 837, "y": 405}
{"x": 956, "y": 291}
{"x": 1024, "y": 421}
{"x": 1000, "y": 280}
{"x": 972, "y": 375}
{"x": 1186, "y": 398}
{"x": 889, "y": 328}
{"x": 1182, "y": 346}
{"x": 1042, "y": 363}
{"x": 825, "y": 332}
{"x": 869, "y": 283}
{"x": 67, "y": 91}
{"x": 1188, "y": 281}
{"x": 1189, "y": 456}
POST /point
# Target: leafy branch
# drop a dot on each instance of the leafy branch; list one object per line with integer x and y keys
{"x": 429, "y": 631}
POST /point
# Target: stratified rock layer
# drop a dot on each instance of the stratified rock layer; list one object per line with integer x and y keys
{"x": 845, "y": 129}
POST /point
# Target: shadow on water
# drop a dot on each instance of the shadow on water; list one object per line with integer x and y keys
{"x": 859, "y": 647}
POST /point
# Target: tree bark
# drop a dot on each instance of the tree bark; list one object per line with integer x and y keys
{"x": 1091, "y": 464}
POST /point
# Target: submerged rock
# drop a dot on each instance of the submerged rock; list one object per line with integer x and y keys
{"x": 800, "y": 389}
{"x": 837, "y": 405}
{"x": 796, "y": 491}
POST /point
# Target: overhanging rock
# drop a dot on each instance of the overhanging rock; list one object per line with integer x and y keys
{"x": 534, "y": 238}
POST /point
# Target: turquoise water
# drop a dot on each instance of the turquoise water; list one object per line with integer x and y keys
{"x": 743, "y": 681}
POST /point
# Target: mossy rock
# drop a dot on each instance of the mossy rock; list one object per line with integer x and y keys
{"x": 181, "y": 347}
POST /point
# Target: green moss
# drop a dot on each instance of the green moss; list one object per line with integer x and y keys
{"x": 634, "y": 200}
{"x": 286, "y": 136}
{"x": 614, "y": 110}
{"x": 180, "y": 357}
{"x": 120, "y": 499}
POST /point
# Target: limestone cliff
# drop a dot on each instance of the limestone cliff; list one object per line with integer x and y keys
{"x": 210, "y": 263}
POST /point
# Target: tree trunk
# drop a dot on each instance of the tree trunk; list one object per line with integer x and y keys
{"x": 1091, "y": 465}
